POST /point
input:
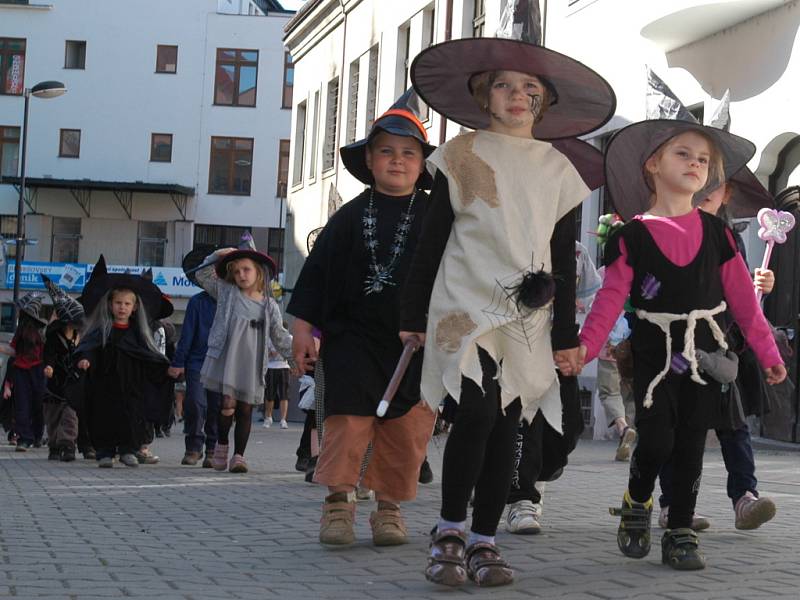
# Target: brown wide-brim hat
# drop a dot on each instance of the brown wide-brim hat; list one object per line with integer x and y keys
{"x": 586, "y": 159}
{"x": 630, "y": 147}
{"x": 441, "y": 75}
{"x": 254, "y": 255}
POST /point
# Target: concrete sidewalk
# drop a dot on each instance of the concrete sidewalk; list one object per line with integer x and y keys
{"x": 169, "y": 532}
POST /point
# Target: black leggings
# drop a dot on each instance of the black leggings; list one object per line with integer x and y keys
{"x": 666, "y": 430}
{"x": 243, "y": 416}
{"x": 479, "y": 453}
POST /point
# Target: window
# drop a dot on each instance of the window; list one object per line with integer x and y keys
{"x": 217, "y": 236}
{"x": 352, "y": 102}
{"x": 166, "y": 59}
{"x": 69, "y": 145}
{"x": 404, "y": 54}
{"x": 283, "y": 168}
{"x": 75, "y": 55}
{"x": 8, "y": 231}
{"x": 7, "y": 317}
{"x": 299, "y": 143}
{"x": 9, "y": 151}
{"x": 275, "y": 246}
{"x": 161, "y": 147}
{"x": 237, "y": 72}
{"x": 331, "y": 117}
{"x": 152, "y": 243}
{"x": 288, "y": 81}
{"x": 478, "y": 18}
{"x": 66, "y": 240}
{"x": 372, "y": 87}
{"x": 12, "y": 66}
{"x": 231, "y": 166}
{"x": 312, "y": 158}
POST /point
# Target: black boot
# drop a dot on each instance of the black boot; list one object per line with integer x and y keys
{"x": 425, "y": 473}
{"x": 312, "y": 465}
{"x": 633, "y": 535}
{"x": 679, "y": 550}
{"x": 54, "y": 454}
{"x": 67, "y": 455}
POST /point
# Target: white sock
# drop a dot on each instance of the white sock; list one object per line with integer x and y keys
{"x": 474, "y": 538}
{"x": 459, "y": 525}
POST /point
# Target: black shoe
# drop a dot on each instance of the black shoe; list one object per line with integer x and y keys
{"x": 425, "y": 473}
{"x": 89, "y": 454}
{"x": 167, "y": 431}
{"x": 54, "y": 454}
{"x": 38, "y": 443}
{"x": 312, "y": 464}
{"x": 301, "y": 464}
{"x": 679, "y": 550}
{"x": 158, "y": 433}
{"x": 633, "y": 535}
{"x": 23, "y": 446}
{"x": 67, "y": 455}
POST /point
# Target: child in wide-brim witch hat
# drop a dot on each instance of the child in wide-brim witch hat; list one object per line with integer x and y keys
{"x": 501, "y": 225}
{"x": 660, "y": 168}
{"x": 349, "y": 290}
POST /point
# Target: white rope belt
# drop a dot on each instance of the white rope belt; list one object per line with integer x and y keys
{"x": 663, "y": 321}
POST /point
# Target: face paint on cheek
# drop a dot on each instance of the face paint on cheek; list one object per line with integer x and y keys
{"x": 536, "y": 105}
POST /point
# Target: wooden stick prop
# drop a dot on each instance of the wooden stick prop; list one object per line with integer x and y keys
{"x": 775, "y": 224}
{"x": 411, "y": 345}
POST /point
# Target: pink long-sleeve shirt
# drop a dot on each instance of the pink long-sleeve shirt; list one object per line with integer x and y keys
{"x": 679, "y": 239}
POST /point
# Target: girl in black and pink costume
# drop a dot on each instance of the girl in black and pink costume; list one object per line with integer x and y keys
{"x": 680, "y": 271}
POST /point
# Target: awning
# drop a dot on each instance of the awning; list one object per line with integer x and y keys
{"x": 81, "y": 190}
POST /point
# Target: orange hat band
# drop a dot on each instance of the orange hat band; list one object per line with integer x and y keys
{"x": 406, "y": 114}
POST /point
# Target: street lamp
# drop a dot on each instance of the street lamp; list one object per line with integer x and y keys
{"x": 45, "y": 89}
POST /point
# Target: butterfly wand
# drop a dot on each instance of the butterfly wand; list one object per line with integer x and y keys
{"x": 775, "y": 224}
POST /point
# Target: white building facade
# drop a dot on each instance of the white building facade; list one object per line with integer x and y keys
{"x": 174, "y": 131}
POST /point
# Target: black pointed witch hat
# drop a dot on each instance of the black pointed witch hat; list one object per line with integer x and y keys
{"x": 102, "y": 281}
{"x": 404, "y": 118}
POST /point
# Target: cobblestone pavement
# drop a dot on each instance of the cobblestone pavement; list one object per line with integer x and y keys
{"x": 170, "y": 532}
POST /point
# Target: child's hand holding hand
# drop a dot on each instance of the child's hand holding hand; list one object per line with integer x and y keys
{"x": 83, "y": 364}
{"x": 570, "y": 361}
{"x": 764, "y": 280}
{"x": 776, "y": 374}
{"x": 6, "y": 391}
{"x": 48, "y": 372}
{"x": 304, "y": 351}
{"x": 175, "y": 372}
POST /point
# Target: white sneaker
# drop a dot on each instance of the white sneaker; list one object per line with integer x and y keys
{"x": 267, "y": 422}
{"x": 523, "y": 518}
{"x": 699, "y": 522}
{"x": 284, "y": 424}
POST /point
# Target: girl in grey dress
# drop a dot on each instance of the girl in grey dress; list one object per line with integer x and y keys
{"x": 236, "y": 362}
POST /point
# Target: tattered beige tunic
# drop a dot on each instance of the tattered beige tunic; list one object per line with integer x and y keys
{"x": 507, "y": 194}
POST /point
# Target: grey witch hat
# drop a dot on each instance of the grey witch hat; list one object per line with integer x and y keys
{"x": 68, "y": 310}
{"x": 31, "y": 305}
{"x": 630, "y": 147}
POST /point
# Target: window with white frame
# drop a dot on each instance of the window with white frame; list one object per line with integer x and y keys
{"x": 312, "y": 156}
{"x": 331, "y": 120}
{"x": 352, "y": 102}
{"x": 372, "y": 87}
{"x": 66, "y": 240}
{"x": 299, "y": 143}
{"x": 152, "y": 243}
{"x": 478, "y": 18}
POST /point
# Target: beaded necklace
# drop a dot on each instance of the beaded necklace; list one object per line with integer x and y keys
{"x": 380, "y": 275}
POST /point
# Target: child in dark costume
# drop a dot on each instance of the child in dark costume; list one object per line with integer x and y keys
{"x": 63, "y": 378}
{"x": 25, "y": 378}
{"x": 118, "y": 352}
{"x": 682, "y": 270}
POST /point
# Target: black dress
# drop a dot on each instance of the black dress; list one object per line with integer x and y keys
{"x": 360, "y": 344}
{"x": 115, "y": 387}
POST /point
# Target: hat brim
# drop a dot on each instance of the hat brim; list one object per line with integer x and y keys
{"x": 586, "y": 159}
{"x": 354, "y": 155}
{"x": 441, "y": 75}
{"x": 630, "y": 147}
{"x": 33, "y": 316}
{"x": 195, "y": 258}
{"x": 148, "y": 291}
{"x": 749, "y": 196}
{"x": 254, "y": 255}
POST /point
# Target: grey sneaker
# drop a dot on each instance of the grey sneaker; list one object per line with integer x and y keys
{"x": 753, "y": 512}
{"x": 524, "y": 518}
{"x": 129, "y": 460}
{"x": 626, "y": 442}
{"x": 105, "y": 463}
